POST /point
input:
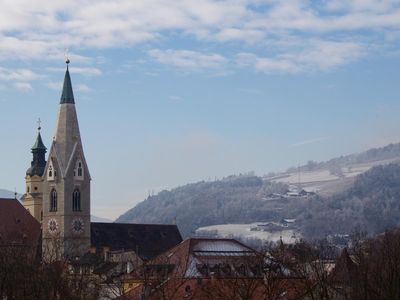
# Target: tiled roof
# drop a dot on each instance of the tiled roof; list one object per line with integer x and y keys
{"x": 17, "y": 226}
{"x": 148, "y": 240}
{"x": 193, "y": 252}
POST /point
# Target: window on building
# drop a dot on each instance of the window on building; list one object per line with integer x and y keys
{"x": 51, "y": 172}
{"x": 78, "y": 171}
{"x": 27, "y": 189}
{"x": 53, "y": 200}
{"x": 76, "y": 200}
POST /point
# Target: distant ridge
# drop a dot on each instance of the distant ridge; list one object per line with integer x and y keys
{"x": 8, "y": 194}
{"x": 244, "y": 199}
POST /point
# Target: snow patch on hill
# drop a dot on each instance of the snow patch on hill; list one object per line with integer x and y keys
{"x": 250, "y": 231}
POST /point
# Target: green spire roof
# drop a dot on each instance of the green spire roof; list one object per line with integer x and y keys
{"x": 67, "y": 95}
{"x": 39, "y": 143}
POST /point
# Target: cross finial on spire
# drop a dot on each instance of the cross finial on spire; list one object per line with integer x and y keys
{"x": 39, "y": 122}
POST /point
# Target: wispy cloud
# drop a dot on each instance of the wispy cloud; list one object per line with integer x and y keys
{"x": 82, "y": 88}
{"x": 55, "y": 85}
{"x": 43, "y": 29}
{"x": 19, "y": 74}
{"x": 175, "y": 99}
{"x": 189, "y": 60}
{"x": 317, "y": 55}
{"x": 89, "y": 71}
{"x": 23, "y": 86}
{"x": 309, "y": 141}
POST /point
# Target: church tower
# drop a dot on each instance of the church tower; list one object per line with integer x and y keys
{"x": 33, "y": 197}
{"x": 66, "y": 186}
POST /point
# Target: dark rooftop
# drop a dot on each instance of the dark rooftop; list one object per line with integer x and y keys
{"x": 147, "y": 240}
{"x": 17, "y": 226}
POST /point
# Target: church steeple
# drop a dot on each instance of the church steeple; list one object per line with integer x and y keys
{"x": 66, "y": 185}
{"x": 67, "y": 95}
{"x": 39, "y": 160}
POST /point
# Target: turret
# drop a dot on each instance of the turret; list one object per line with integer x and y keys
{"x": 33, "y": 197}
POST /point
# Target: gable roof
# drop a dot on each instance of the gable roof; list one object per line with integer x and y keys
{"x": 147, "y": 240}
{"x": 193, "y": 252}
{"x": 17, "y": 225}
{"x": 345, "y": 269}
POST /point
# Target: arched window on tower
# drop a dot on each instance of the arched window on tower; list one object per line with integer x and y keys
{"x": 53, "y": 200}
{"x": 78, "y": 171}
{"x": 76, "y": 200}
{"x": 51, "y": 172}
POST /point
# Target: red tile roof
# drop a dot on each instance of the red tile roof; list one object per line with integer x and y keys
{"x": 17, "y": 226}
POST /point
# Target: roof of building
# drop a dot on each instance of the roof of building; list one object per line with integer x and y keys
{"x": 345, "y": 269}
{"x": 67, "y": 95}
{"x": 147, "y": 240}
{"x": 194, "y": 254}
{"x": 219, "y": 288}
{"x": 17, "y": 226}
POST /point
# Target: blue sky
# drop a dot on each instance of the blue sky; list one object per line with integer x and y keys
{"x": 171, "y": 92}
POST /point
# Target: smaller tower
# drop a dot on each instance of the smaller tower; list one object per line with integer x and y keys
{"x": 33, "y": 197}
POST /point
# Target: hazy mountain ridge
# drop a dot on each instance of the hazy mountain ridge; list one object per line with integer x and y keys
{"x": 6, "y": 194}
{"x": 388, "y": 152}
{"x": 242, "y": 199}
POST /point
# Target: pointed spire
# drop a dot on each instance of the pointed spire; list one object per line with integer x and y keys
{"x": 38, "y": 151}
{"x": 39, "y": 142}
{"x": 67, "y": 95}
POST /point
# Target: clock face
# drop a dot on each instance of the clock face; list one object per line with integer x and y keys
{"x": 77, "y": 226}
{"x": 52, "y": 225}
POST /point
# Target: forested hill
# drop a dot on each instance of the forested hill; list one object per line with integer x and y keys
{"x": 236, "y": 199}
{"x": 372, "y": 204}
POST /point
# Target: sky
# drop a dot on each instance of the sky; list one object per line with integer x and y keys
{"x": 173, "y": 92}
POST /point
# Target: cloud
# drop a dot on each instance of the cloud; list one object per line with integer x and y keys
{"x": 18, "y": 74}
{"x": 318, "y": 55}
{"x": 23, "y": 86}
{"x": 43, "y": 29}
{"x": 83, "y": 88}
{"x": 190, "y": 60}
{"x": 309, "y": 141}
{"x": 89, "y": 71}
{"x": 55, "y": 85}
{"x": 175, "y": 99}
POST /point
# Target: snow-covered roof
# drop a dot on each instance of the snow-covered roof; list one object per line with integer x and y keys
{"x": 219, "y": 245}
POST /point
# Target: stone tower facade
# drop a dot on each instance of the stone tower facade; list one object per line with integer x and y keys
{"x": 66, "y": 186}
{"x": 33, "y": 197}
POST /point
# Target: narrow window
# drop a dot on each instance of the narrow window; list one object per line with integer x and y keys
{"x": 78, "y": 171}
{"x": 53, "y": 200}
{"x": 50, "y": 171}
{"x": 76, "y": 200}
